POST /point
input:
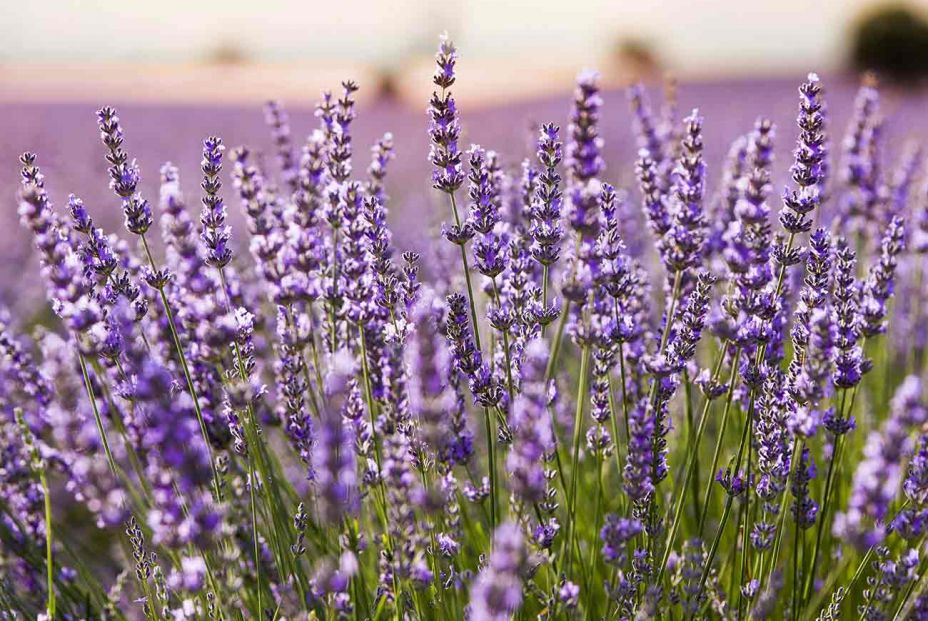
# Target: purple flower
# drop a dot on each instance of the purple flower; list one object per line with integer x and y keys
{"x": 849, "y": 364}
{"x": 333, "y": 457}
{"x": 466, "y": 357}
{"x": 691, "y": 322}
{"x": 124, "y": 175}
{"x": 533, "y": 437}
{"x": 381, "y": 154}
{"x": 860, "y": 150}
{"x": 879, "y": 286}
{"x": 545, "y": 210}
{"x": 915, "y": 485}
{"x": 68, "y": 291}
{"x": 215, "y": 233}
{"x": 638, "y": 475}
{"x": 584, "y": 150}
{"x": 616, "y": 534}
{"x": 279, "y": 122}
{"x": 444, "y": 126}
{"x": 651, "y": 138}
{"x": 804, "y": 509}
{"x": 808, "y": 169}
{"x": 879, "y": 475}
{"x": 497, "y": 591}
{"x": 685, "y": 237}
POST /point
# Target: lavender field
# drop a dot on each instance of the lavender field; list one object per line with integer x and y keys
{"x": 631, "y": 354}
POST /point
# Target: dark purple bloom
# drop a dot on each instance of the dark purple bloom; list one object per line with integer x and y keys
{"x": 616, "y": 534}
{"x": 215, "y": 232}
{"x": 774, "y": 445}
{"x": 466, "y": 357}
{"x": 808, "y": 169}
{"x": 638, "y": 474}
{"x": 804, "y": 509}
{"x": 444, "y": 126}
{"x": 849, "y": 360}
{"x": 124, "y": 175}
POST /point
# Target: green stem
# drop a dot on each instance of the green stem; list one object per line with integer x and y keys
{"x": 169, "y": 314}
{"x": 50, "y": 571}
{"x": 491, "y": 456}
{"x": 726, "y": 414}
{"x": 254, "y": 527}
{"x": 558, "y": 338}
{"x": 575, "y": 458}
{"x": 728, "y": 502}
{"x": 826, "y": 500}
{"x": 509, "y": 381}
{"x": 96, "y": 412}
{"x": 544, "y": 292}
{"x": 715, "y": 544}
{"x": 778, "y": 536}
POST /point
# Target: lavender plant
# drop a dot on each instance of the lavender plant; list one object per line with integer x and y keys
{"x": 559, "y": 419}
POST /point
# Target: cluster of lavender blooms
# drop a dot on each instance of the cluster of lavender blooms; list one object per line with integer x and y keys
{"x": 679, "y": 400}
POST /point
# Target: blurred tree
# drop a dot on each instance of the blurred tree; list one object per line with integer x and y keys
{"x": 893, "y": 41}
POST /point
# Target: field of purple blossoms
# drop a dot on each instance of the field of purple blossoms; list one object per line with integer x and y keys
{"x": 648, "y": 400}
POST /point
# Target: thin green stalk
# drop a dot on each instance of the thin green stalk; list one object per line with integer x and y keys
{"x": 575, "y": 458}
{"x": 726, "y": 414}
{"x": 745, "y": 530}
{"x": 691, "y": 432}
{"x": 509, "y": 382}
{"x": 693, "y": 458}
{"x": 491, "y": 456}
{"x": 50, "y": 567}
{"x": 254, "y": 528}
{"x": 544, "y": 292}
{"x": 728, "y": 502}
{"x": 169, "y": 314}
{"x": 470, "y": 288}
{"x": 37, "y": 464}
{"x": 826, "y": 500}
{"x": 96, "y": 412}
{"x": 797, "y": 537}
{"x": 558, "y": 338}
{"x": 715, "y": 544}
{"x": 615, "y": 430}
{"x": 778, "y": 536}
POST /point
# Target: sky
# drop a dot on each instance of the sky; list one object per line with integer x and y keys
{"x": 691, "y": 36}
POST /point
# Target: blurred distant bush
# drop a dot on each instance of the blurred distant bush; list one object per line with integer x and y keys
{"x": 635, "y": 56}
{"x": 893, "y": 41}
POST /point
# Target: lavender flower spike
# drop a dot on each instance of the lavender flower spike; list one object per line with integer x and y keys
{"x": 687, "y": 234}
{"x": 497, "y": 591}
{"x": 808, "y": 170}
{"x": 879, "y": 475}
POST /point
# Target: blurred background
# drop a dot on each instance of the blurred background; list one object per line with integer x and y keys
{"x": 179, "y": 70}
{"x": 235, "y": 51}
